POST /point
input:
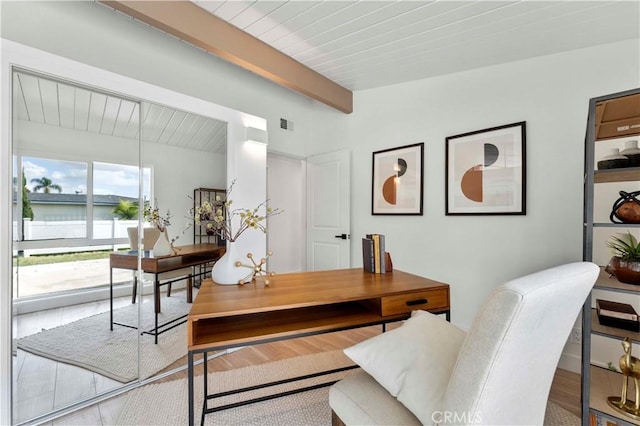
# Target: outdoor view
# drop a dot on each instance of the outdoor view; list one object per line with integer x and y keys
{"x": 62, "y": 202}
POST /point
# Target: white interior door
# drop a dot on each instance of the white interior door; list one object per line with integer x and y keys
{"x": 328, "y": 211}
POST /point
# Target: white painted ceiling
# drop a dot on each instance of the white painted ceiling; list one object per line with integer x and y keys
{"x": 44, "y": 101}
{"x": 367, "y": 44}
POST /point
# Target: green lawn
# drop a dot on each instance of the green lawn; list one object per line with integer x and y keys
{"x": 63, "y": 257}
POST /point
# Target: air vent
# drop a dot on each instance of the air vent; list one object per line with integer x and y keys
{"x": 284, "y": 124}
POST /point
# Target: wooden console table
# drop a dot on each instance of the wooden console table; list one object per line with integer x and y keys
{"x": 185, "y": 256}
{"x": 301, "y": 304}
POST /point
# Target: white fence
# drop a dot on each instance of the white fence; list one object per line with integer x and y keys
{"x": 105, "y": 232}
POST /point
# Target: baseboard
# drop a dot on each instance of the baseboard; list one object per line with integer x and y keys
{"x": 571, "y": 363}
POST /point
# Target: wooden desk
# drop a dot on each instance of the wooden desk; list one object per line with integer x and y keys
{"x": 302, "y": 304}
{"x": 184, "y": 257}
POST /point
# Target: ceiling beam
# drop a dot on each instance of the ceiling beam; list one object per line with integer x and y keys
{"x": 185, "y": 20}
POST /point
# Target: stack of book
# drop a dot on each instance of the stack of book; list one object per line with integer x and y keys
{"x": 619, "y": 315}
{"x": 373, "y": 257}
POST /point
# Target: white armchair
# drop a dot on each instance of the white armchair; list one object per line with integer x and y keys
{"x": 149, "y": 238}
{"x": 428, "y": 371}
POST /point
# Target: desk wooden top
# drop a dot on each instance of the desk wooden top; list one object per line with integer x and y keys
{"x": 187, "y": 255}
{"x": 305, "y": 289}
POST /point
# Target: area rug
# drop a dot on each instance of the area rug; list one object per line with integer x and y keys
{"x": 90, "y": 344}
{"x": 306, "y": 408}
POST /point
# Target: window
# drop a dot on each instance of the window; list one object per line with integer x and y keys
{"x": 56, "y": 195}
{"x": 55, "y": 198}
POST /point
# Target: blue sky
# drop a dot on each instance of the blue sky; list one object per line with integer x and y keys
{"x": 108, "y": 179}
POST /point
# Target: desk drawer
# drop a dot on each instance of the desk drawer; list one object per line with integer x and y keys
{"x": 424, "y": 300}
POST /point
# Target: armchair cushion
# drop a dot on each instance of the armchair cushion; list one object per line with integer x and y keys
{"x": 413, "y": 362}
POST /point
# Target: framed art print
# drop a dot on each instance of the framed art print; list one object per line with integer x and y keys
{"x": 485, "y": 172}
{"x": 396, "y": 186}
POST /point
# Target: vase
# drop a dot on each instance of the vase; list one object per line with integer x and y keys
{"x": 162, "y": 247}
{"x": 614, "y": 160}
{"x": 626, "y": 271}
{"x": 225, "y": 271}
{"x": 632, "y": 152}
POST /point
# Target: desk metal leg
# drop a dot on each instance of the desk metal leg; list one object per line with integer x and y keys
{"x": 111, "y": 298}
{"x": 190, "y": 379}
{"x": 205, "y": 401}
{"x": 156, "y": 303}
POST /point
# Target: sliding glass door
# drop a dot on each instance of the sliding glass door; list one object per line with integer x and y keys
{"x": 77, "y": 185}
{"x": 86, "y": 162}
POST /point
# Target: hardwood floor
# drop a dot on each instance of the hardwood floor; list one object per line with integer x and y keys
{"x": 43, "y": 384}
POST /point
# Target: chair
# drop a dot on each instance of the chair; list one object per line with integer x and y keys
{"x": 149, "y": 238}
{"x": 500, "y": 373}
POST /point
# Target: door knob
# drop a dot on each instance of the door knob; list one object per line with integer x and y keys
{"x": 342, "y": 236}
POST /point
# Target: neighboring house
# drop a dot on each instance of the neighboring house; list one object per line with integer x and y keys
{"x": 60, "y": 207}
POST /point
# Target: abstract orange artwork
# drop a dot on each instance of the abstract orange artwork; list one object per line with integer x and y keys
{"x": 397, "y": 180}
{"x": 485, "y": 171}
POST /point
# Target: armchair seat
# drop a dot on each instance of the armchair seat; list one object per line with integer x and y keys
{"x": 428, "y": 371}
{"x": 361, "y": 400}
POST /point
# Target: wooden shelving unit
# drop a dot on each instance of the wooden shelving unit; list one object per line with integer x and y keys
{"x": 610, "y": 118}
{"x": 617, "y": 175}
{"x": 200, "y": 234}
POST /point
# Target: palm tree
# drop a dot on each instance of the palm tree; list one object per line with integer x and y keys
{"x": 27, "y": 211}
{"x": 46, "y": 185}
{"x": 126, "y": 210}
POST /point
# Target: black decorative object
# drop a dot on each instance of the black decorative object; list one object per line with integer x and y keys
{"x": 626, "y": 209}
{"x": 632, "y": 152}
{"x": 618, "y": 315}
{"x": 614, "y": 160}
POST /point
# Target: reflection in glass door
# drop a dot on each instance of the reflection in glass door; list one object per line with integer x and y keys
{"x": 76, "y": 188}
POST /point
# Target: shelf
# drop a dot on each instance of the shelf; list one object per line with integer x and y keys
{"x": 605, "y": 383}
{"x": 613, "y": 332}
{"x": 617, "y": 175}
{"x": 614, "y": 225}
{"x": 266, "y": 326}
{"x": 605, "y": 282}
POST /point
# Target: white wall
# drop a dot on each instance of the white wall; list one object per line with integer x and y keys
{"x": 474, "y": 254}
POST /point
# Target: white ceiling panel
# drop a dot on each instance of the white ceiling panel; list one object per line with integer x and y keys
{"x": 111, "y": 110}
{"x": 367, "y": 44}
{"x": 49, "y": 95}
{"x": 81, "y": 106}
{"x": 277, "y": 17}
{"x": 253, "y": 15}
{"x": 97, "y": 102}
{"x": 66, "y": 105}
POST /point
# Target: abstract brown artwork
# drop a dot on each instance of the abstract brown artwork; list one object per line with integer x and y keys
{"x": 485, "y": 171}
{"x": 397, "y": 180}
